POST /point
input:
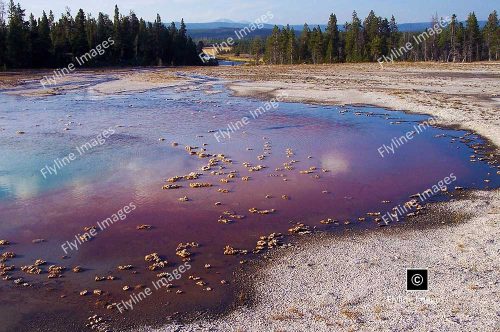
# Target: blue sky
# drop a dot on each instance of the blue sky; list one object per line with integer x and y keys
{"x": 285, "y": 11}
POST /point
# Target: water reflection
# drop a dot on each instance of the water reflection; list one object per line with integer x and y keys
{"x": 335, "y": 162}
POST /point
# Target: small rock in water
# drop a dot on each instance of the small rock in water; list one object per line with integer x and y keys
{"x": 144, "y": 227}
{"x": 125, "y": 267}
{"x": 200, "y": 185}
{"x": 300, "y": 229}
{"x": 171, "y": 186}
{"x": 255, "y": 210}
{"x": 77, "y": 269}
{"x": 228, "y": 250}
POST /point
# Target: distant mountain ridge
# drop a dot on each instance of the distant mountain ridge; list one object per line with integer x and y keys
{"x": 225, "y": 28}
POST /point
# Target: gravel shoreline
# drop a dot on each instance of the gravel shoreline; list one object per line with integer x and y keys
{"x": 356, "y": 282}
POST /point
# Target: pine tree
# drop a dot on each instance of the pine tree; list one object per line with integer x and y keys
{"x": 172, "y": 33}
{"x": 316, "y": 45}
{"x": 491, "y": 33}
{"x": 394, "y": 34}
{"x": 117, "y": 35}
{"x": 181, "y": 44}
{"x": 45, "y": 43}
{"x": 104, "y": 28}
{"x": 472, "y": 38}
{"x": 91, "y": 29}
{"x": 283, "y": 45}
{"x": 354, "y": 40}
{"x": 60, "y": 40}
{"x": 158, "y": 38}
{"x": 17, "y": 37}
{"x": 372, "y": 36}
{"x": 3, "y": 34}
{"x": 127, "y": 52}
{"x": 292, "y": 48}
{"x": 79, "y": 38}
{"x": 33, "y": 44}
{"x": 384, "y": 33}
{"x": 144, "y": 45}
{"x": 272, "y": 55}
{"x": 51, "y": 19}
{"x": 332, "y": 40}
{"x": 134, "y": 30}
{"x": 461, "y": 36}
{"x": 443, "y": 44}
{"x": 104, "y": 31}
{"x": 256, "y": 50}
{"x": 304, "y": 52}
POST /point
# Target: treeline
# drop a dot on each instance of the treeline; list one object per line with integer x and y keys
{"x": 375, "y": 37}
{"x": 46, "y": 42}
